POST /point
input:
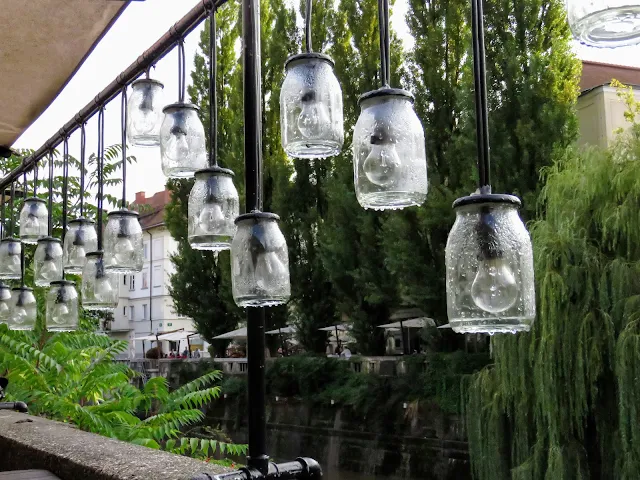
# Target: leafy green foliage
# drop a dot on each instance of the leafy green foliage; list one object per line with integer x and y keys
{"x": 74, "y": 378}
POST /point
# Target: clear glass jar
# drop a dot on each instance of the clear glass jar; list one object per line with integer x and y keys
{"x": 182, "y": 141}
{"x": 123, "y": 251}
{"x": 389, "y": 156}
{"x": 99, "y": 286}
{"x": 213, "y": 208}
{"x": 62, "y": 307}
{"x": 24, "y": 309}
{"x": 5, "y": 303}
{"x": 81, "y": 238}
{"x": 34, "y": 220}
{"x": 144, "y": 113}
{"x": 259, "y": 262}
{"x": 489, "y": 267}
{"x": 311, "y": 115}
{"x": 605, "y": 23}
{"x": 10, "y": 259}
{"x": 47, "y": 261}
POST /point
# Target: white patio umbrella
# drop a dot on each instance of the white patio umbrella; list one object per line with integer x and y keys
{"x": 235, "y": 334}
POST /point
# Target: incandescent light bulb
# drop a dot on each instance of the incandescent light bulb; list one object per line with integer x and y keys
{"x": 32, "y": 225}
{"x": 123, "y": 250}
{"x": 60, "y": 312}
{"x": 77, "y": 254}
{"x": 211, "y": 219}
{"x": 177, "y": 146}
{"x": 382, "y": 165}
{"x": 495, "y": 288}
{"x": 269, "y": 269}
{"x": 49, "y": 270}
{"x": 19, "y": 315}
{"x": 103, "y": 289}
{"x": 313, "y": 119}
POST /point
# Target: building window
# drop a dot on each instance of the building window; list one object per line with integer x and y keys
{"x": 144, "y": 311}
{"x": 157, "y": 276}
{"x": 124, "y": 311}
{"x": 131, "y": 312}
{"x": 124, "y": 279}
{"x": 132, "y": 283}
{"x": 145, "y": 280}
{"x": 145, "y": 248}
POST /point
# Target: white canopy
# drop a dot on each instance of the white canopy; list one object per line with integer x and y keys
{"x": 175, "y": 336}
{"x": 341, "y": 328}
{"x": 284, "y": 330}
{"x": 239, "y": 333}
{"x": 411, "y": 323}
{"x": 146, "y": 337}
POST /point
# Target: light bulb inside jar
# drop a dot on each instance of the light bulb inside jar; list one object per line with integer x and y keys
{"x": 49, "y": 270}
{"x": 313, "y": 120}
{"x": 495, "y": 288}
{"x": 211, "y": 219}
{"x": 382, "y": 165}
{"x": 144, "y": 119}
{"x": 32, "y": 225}
{"x": 77, "y": 254}
{"x": 4, "y": 308}
{"x": 20, "y": 315}
{"x": 177, "y": 146}
{"x": 102, "y": 289}
{"x": 269, "y": 271}
{"x": 60, "y": 312}
{"x": 123, "y": 249}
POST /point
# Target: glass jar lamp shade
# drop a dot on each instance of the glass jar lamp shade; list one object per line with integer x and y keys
{"x": 213, "y": 208}
{"x": 24, "y": 309}
{"x": 47, "y": 261}
{"x": 34, "y": 220}
{"x": 605, "y": 23}
{"x": 389, "y": 156}
{"x": 259, "y": 262}
{"x": 10, "y": 259}
{"x": 144, "y": 113}
{"x": 62, "y": 307}
{"x": 80, "y": 239}
{"x": 5, "y": 303}
{"x": 99, "y": 286}
{"x": 311, "y": 112}
{"x": 489, "y": 267}
{"x": 182, "y": 141}
{"x": 123, "y": 252}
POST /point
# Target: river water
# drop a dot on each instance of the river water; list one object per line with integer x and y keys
{"x": 342, "y": 475}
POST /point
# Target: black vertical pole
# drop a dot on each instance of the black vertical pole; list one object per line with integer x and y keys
{"x": 258, "y": 458}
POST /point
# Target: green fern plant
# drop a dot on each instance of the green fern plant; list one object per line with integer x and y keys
{"x": 74, "y": 378}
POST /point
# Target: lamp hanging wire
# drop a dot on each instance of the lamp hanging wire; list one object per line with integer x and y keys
{"x": 83, "y": 151}
{"x": 213, "y": 94}
{"x": 100, "y": 161}
{"x": 50, "y": 193}
{"x": 123, "y": 119}
{"x": 480, "y": 84}
{"x": 307, "y": 27}
{"x": 65, "y": 183}
{"x": 181, "y": 71}
{"x": 385, "y": 44}
{"x": 22, "y": 264}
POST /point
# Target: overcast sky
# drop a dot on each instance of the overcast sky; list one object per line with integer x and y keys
{"x": 138, "y": 28}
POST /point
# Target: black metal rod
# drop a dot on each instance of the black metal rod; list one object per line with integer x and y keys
{"x": 307, "y": 27}
{"x": 50, "y": 219}
{"x": 35, "y": 179}
{"x": 12, "y": 216}
{"x": 65, "y": 184}
{"x": 258, "y": 457}
{"x": 300, "y": 469}
{"x": 100, "y": 161}
{"x": 3, "y": 232}
{"x": 83, "y": 152}
{"x": 140, "y": 66}
{"x": 22, "y": 249}
{"x": 123, "y": 120}
{"x": 182, "y": 65}
{"x": 213, "y": 94}
{"x": 480, "y": 85}
{"x": 385, "y": 47}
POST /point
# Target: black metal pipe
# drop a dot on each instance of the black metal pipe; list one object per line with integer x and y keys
{"x": 213, "y": 94}
{"x": 100, "y": 165}
{"x": 16, "y": 406}
{"x": 141, "y": 65}
{"x": 65, "y": 184}
{"x": 480, "y": 86}
{"x": 50, "y": 218}
{"x": 307, "y": 26}
{"x": 300, "y": 469}
{"x": 123, "y": 122}
{"x": 257, "y": 400}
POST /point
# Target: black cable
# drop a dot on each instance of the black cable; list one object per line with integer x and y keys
{"x": 307, "y": 29}
{"x": 100, "y": 166}
{"x": 181, "y": 71}
{"x": 480, "y": 85}
{"x": 213, "y": 94}
{"x": 11, "y": 213}
{"x": 385, "y": 46}
{"x": 65, "y": 184}
{"x": 24, "y": 201}
{"x": 50, "y": 194}
{"x": 83, "y": 149}
{"x": 3, "y": 233}
{"x": 124, "y": 146}
{"x": 35, "y": 179}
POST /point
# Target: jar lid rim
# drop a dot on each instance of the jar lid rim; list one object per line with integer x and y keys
{"x": 35, "y": 199}
{"x": 386, "y": 92}
{"x": 10, "y": 239}
{"x": 82, "y": 220}
{"x": 124, "y": 212}
{"x": 22, "y": 289}
{"x": 215, "y": 169}
{"x": 487, "y": 198}
{"x": 147, "y": 80}
{"x": 62, "y": 282}
{"x": 256, "y": 216}
{"x": 178, "y": 105}
{"x": 49, "y": 239}
{"x": 97, "y": 253}
{"x": 309, "y": 56}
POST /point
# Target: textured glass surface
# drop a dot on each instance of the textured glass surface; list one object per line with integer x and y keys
{"x": 5, "y": 303}
{"x": 123, "y": 252}
{"x": 311, "y": 114}
{"x": 24, "y": 309}
{"x": 47, "y": 261}
{"x": 605, "y": 23}
{"x": 489, "y": 265}
{"x": 182, "y": 142}
{"x": 260, "y": 264}
{"x": 34, "y": 220}
{"x": 99, "y": 285}
{"x": 81, "y": 238}
{"x": 389, "y": 158}
{"x": 10, "y": 262}
{"x": 213, "y": 208}
{"x": 144, "y": 113}
{"x": 62, "y": 307}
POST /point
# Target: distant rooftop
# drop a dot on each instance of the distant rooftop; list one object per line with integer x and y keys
{"x": 595, "y": 74}
{"x": 151, "y": 208}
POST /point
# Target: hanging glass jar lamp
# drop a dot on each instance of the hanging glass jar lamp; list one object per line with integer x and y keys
{"x": 605, "y": 23}
{"x": 123, "y": 251}
{"x": 33, "y": 220}
{"x": 144, "y": 112}
{"x": 10, "y": 264}
{"x": 489, "y": 275}
{"x": 24, "y": 309}
{"x": 99, "y": 285}
{"x": 182, "y": 138}
{"x": 80, "y": 239}
{"x": 47, "y": 261}
{"x": 5, "y": 303}
{"x": 62, "y": 307}
{"x": 259, "y": 262}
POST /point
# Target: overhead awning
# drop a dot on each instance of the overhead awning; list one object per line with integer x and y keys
{"x": 146, "y": 337}
{"x": 411, "y": 323}
{"x": 342, "y": 328}
{"x": 44, "y": 42}
{"x": 289, "y": 329}
{"x": 175, "y": 336}
{"x": 236, "y": 334}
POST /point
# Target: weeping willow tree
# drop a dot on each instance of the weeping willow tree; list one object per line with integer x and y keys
{"x": 563, "y": 402}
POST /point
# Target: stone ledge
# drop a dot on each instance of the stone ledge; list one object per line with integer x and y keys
{"x": 28, "y": 442}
